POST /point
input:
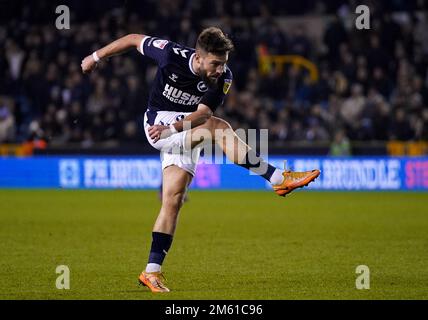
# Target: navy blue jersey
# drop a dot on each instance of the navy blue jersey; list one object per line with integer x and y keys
{"x": 176, "y": 86}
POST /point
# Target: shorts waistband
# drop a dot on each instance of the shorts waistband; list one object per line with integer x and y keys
{"x": 151, "y": 117}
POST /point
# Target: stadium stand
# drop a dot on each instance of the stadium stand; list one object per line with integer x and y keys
{"x": 370, "y": 85}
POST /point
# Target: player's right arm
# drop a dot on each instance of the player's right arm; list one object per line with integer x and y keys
{"x": 116, "y": 47}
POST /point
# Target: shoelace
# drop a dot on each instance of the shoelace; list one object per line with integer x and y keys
{"x": 296, "y": 175}
{"x": 157, "y": 282}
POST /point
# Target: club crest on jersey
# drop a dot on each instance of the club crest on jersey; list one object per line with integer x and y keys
{"x": 227, "y": 85}
{"x": 160, "y": 44}
{"x": 202, "y": 87}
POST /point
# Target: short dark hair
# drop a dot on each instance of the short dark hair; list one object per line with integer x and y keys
{"x": 213, "y": 40}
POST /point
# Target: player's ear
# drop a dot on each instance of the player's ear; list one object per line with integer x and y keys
{"x": 197, "y": 56}
{"x": 200, "y": 54}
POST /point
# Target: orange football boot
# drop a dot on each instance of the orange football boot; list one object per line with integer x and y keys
{"x": 153, "y": 280}
{"x": 294, "y": 180}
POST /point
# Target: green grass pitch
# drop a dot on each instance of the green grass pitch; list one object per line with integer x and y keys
{"x": 228, "y": 245}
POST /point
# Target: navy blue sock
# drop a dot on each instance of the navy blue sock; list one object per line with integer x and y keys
{"x": 256, "y": 164}
{"x": 160, "y": 245}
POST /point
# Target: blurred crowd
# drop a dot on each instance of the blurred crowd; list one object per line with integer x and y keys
{"x": 373, "y": 84}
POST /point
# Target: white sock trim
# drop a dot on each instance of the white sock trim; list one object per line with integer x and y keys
{"x": 153, "y": 267}
{"x": 277, "y": 177}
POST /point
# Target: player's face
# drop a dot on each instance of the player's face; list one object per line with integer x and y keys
{"x": 212, "y": 66}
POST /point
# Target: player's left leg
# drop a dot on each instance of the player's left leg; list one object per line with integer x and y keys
{"x": 175, "y": 184}
{"x": 219, "y": 131}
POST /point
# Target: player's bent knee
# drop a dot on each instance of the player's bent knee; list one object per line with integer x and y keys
{"x": 218, "y": 124}
{"x": 173, "y": 200}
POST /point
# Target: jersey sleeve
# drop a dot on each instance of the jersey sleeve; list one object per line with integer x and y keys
{"x": 215, "y": 97}
{"x": 156, "y": 49}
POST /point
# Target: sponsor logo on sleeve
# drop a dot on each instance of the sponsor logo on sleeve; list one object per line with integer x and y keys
{"x": 160, "y": 44}
{"x": 227, "y": 85}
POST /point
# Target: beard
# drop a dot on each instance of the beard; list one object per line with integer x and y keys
{"x": 210, "y": 82}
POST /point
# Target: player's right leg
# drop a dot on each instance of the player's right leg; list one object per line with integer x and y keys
{"x": 174, "y": 188}
{"x": 241, "y": 154}
{"x": 178, "y": 168}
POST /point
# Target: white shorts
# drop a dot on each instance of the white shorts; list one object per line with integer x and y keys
{"x": 172, "y": 149}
